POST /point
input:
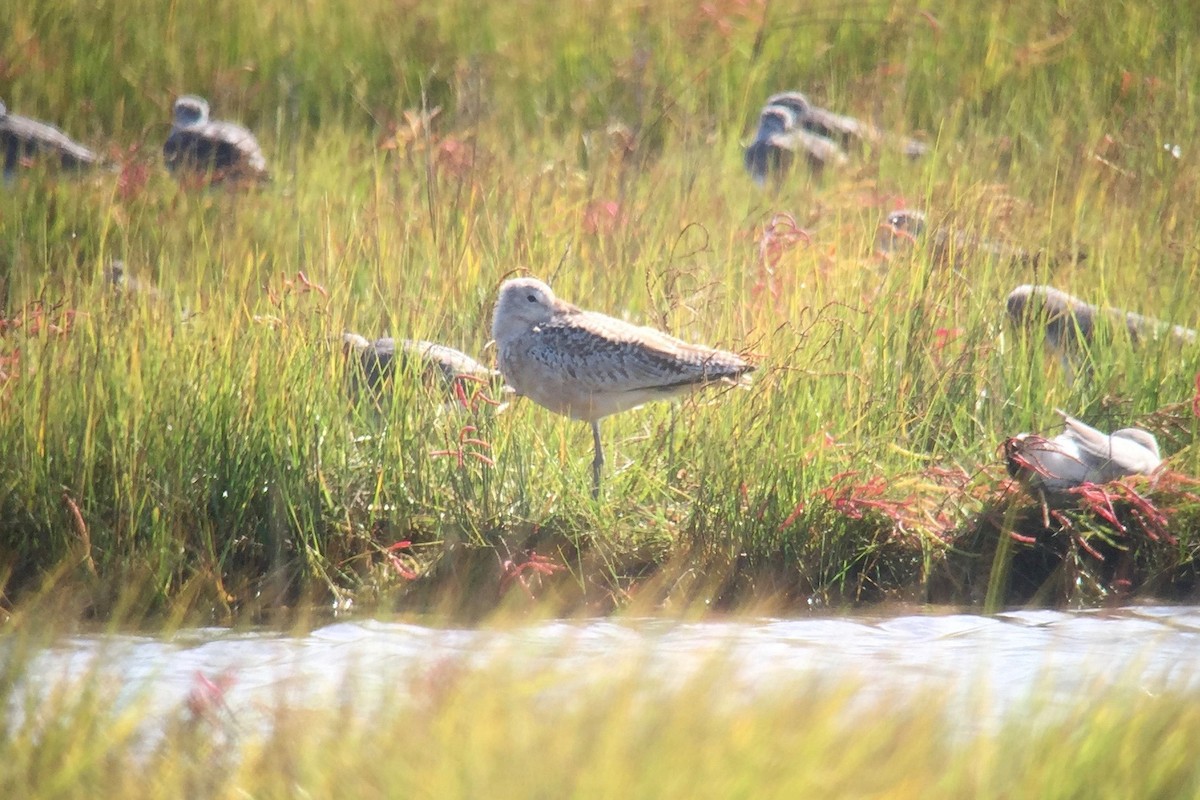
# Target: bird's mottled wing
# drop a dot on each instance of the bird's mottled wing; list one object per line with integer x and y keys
{"x": 219, "y": 146}
{"x": 381, "y": 357}
{"x": 21, "y": 136}
{"x": 598, "y": 353}
{"x": 835, "y": 126}
{"x": 819, "y": 149}
{"x": 379, "y": 361}
{"x": 844, "y": 130}
{"x": 1066, "y": 318}
{"x": 452, "y": 362}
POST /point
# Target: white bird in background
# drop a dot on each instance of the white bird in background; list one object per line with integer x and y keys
{"x": 789, "y": 124}
{"x": 1080, "y": 454}
{"x": 211, "y": 148}
{"x": 586, "y": 365}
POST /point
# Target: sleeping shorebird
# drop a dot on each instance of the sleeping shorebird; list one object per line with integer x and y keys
{"x": 1069, "y": 321}
{"x": 790, "y": 124}
{"x": 23, "y": 138}
{"x": 212, "y": 148}
{"x": 1080, "y": 454}
{"x": 140, "y": 291}
{"x": 586, "y": 365}
{"x": 436, "y": 363}
{"x": 117, "y": 277}
{"x": 901, "y": 230}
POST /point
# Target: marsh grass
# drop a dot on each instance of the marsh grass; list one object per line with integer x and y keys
{"x": 218, "y": 460}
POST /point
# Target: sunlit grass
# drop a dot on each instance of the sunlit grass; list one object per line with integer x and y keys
{"x": 219, "y": 460}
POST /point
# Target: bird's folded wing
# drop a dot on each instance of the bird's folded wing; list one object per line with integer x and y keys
{"x": 222, "y": 145}
{"x": 45, "y": 136}
{"x": 826, "y": 123}
{"x": 610, "y": 355}
{"x": 453, "y": 362}
{"x": 1091, "y": 441}
{"x": 842, "y": 128}
{"x": 817, "y": 146}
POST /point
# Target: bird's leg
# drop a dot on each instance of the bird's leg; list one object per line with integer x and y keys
{"x": 598, "y": 461}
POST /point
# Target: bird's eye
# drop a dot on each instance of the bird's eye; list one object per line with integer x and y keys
{"x": 531, "y": 298}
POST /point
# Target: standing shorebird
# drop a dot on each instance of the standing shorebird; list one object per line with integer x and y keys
{"x": 22, "y": 138}
{"x": 211, "y": 148}
{"x": 780, "y": 136}
{"x": 790, "y": 124}
{"x": 586, "y": 365}
{"x": 1080, "y": 454}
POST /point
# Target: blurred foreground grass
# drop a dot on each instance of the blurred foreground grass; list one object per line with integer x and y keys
{"x": 422, "y": 152}
{"x": 520, "y": 730}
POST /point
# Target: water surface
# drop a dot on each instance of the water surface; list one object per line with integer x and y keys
{"x": 1061, "y": 658}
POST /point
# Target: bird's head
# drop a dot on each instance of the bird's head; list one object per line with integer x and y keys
{"x": 523, "y": 303}
{"x": 907, "y": 221}
{"x": 794, "y": 101}
{"x": 190, "y": 110}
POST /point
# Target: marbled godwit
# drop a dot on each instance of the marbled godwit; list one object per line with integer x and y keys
{"x": 899, "y": 231}
{"x": 586, "y": 365}
{"x": 436, "y": 363}
{"x": 902, "y": 229}
{"x": 1080, "y": 454}
{"x": 1067, "y": 319}
{"x": 120, "y": 281}
{"x": 212, "y": 148}
{"x": 22, "y": 138}
{"x": 790, "y": 124}
{"x": 141, "y": 291}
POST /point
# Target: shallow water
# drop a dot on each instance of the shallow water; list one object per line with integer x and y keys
{"x": 1061, "y": 658}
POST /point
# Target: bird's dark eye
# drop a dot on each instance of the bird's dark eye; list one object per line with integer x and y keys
{"x": 531, "y": 298}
